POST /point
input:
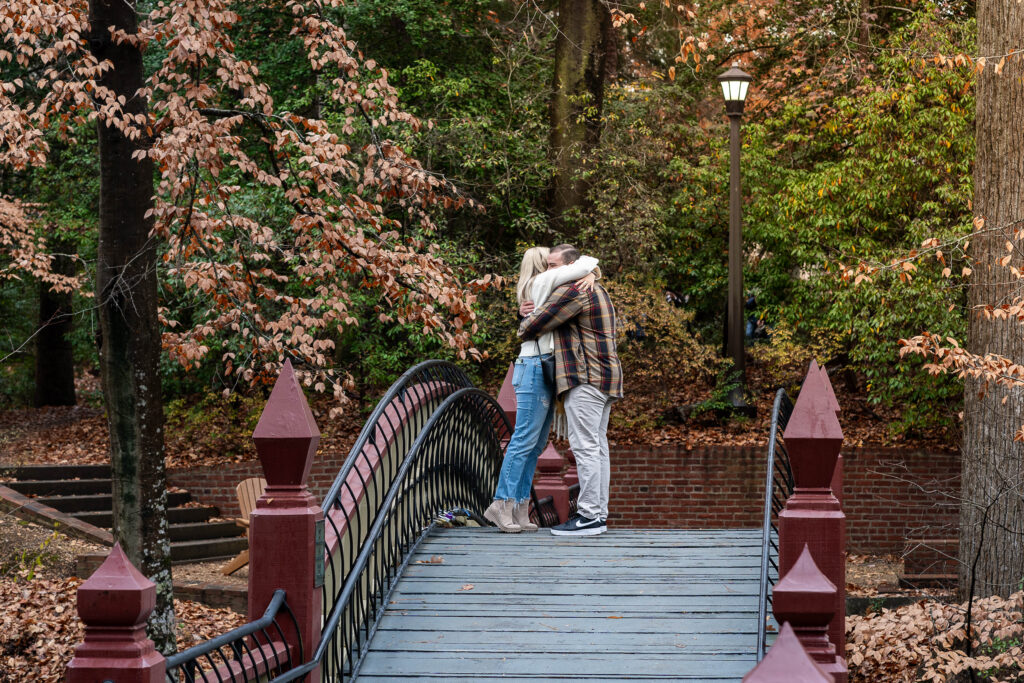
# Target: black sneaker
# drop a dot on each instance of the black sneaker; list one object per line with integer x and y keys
{"x": 580, "y": 526}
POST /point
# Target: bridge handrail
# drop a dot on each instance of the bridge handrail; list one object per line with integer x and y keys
{"x": 778, "y": 486}
{"x": 364, "y": 595}
{"x": 247, "y": 654}
{"x": 427, "y": 372}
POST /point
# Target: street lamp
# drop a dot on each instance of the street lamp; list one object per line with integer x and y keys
{"x": 735, "y": 82}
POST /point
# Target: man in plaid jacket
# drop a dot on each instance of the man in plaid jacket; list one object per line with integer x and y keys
{"x": 588, "y": 378}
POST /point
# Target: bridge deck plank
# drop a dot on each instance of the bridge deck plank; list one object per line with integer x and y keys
{"x": 475, "y": 604}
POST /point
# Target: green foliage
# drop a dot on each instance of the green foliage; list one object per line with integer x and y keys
{"x": 657, "y": 348}
{"x": 865, "y": 179}
{"x": 212, "y": 423}
{"x": 784, "y": 358}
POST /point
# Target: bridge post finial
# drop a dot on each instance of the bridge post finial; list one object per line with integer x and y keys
{"x": 284, "y": 544}
{"x": 837, "y": 474}
{"x": 787, "y": 662}
{"x": 114, "y": 603}
{"x": 806, "y": 600}
{"x": 813, "y": 515}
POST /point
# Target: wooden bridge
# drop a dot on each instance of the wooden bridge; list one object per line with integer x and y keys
{"x": 365, "y": 585}
{"x": 476, "y": 604}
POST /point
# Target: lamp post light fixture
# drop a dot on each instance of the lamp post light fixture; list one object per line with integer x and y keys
{"x": 735, "y": 83}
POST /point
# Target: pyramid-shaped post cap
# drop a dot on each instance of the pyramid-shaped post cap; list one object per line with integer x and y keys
{"x": 813, "y": 436}
{"x": 787, "y": 662}
{"x": 117, "y": 594}
{"x": 550, "y": 460}
{"x": 804, "y": 596}
{"x": 286, "y": 436}
{"x": 828, "y": 384}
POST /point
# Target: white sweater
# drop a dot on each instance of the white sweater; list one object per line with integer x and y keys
{"x": 540, "y": 290}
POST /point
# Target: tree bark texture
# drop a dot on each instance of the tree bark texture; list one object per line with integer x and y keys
{"x": 126, "y": 287}
{"x": 585, "y": 59}
{"x": 992, "y": 510}
{"x": 55, "y": 363}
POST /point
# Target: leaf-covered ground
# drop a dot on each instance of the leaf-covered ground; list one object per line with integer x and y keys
{"x": 39, "y": 626}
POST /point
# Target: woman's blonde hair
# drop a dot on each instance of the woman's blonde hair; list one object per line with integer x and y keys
{"x": 535, "y": 262}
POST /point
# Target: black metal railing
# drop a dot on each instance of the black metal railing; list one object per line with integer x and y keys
{"x": 356, "y": 497}
{"x": 574, "y": 499}
{"x": 778, "y": 486}
{"x": 543, "y": 512}
{"x": 251, "y": 652}
{"x": 433, "y": 443}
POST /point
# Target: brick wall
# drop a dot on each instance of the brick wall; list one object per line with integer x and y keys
{"x": 889, "y": 494}
{"x": 216, "y": 485}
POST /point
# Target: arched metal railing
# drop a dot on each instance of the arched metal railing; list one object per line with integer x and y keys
{"x": 432, "y": 444}
{"x": 251, "y": 652}
{"x": 778, "y": 486}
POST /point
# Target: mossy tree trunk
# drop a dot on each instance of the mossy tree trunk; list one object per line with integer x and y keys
{"x": 126, "y": 289}
{"x": 992, "y": 510}
{"x": 585, "y": 59}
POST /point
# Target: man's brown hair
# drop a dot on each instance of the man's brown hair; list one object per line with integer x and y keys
{"x": 569, "y": 253}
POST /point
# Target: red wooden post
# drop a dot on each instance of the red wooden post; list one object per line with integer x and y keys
{"x": 806, "y": 599}
{"x": 813, "y": 516}
{"x": 787, "y": 662}
{"x": 283, "y": 527}
{"x": 507, "y": 396}
{"x": 548, "y": 481}
{"x": 115, "y": 603}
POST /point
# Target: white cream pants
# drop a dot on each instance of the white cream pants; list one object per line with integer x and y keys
{"x": 587, "y": 409}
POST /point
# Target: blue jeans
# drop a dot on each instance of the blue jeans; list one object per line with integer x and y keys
{"x": 534, "y": 413}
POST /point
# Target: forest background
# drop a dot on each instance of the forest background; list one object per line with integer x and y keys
{"x": 858, "y": 143}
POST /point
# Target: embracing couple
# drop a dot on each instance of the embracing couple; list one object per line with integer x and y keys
{"x": 569, "y": 319}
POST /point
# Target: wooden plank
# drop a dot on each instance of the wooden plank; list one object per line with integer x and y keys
{"x": 459, "y": 641}
{"x": 588, "y": 665}
{"x": 422, "y": 585}
{"x": 562, "y": 623}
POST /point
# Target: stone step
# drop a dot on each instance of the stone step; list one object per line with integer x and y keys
{"x": 49, "y": 472}
{"x": 208, "y": 549}
{"x": 62, "y": 487}
{"x": 204, "y": 530}
{"x": 100, "y": 502}
{"x": 189, "y": 515}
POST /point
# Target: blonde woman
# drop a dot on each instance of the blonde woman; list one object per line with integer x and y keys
{"x": 534, "y": 410}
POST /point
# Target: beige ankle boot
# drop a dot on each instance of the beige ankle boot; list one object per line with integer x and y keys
{"x": 500, "y": 513}
{"x": 521, "y": 516}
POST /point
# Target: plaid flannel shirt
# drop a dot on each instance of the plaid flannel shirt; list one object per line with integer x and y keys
{"x": 584, "y": 327}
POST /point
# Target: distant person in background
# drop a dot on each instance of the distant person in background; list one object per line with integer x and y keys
{"x": 589, "y": 377}
{"x": 510, "y": 510}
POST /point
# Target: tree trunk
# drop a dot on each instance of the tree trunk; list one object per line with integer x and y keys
{"x": 126, "y": 288}
{"x": 992, "y": 510}
{"x": 585, "y": 59}
{"x": 55, "y": 363}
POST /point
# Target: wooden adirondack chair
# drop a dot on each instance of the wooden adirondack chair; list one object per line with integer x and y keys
{"x": 249, "y": 491}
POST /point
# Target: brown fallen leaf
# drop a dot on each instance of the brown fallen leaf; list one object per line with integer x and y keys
{"x": 467, "y": 587}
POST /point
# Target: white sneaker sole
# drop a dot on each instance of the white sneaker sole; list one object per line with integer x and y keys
{"x": 582, "y": 532}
